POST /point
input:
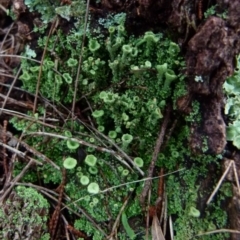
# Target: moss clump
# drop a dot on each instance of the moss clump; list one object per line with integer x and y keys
{"x": 24, "y": 215}
{"x": 128, "y": 81}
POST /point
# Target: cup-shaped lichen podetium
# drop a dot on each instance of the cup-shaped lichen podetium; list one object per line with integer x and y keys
{"x": 169, "y": 78}
{"x": 138, "y": 161}
{"x": 126, "y": 140}
{"x": 111, "y": 31}
{"x": 93, "y": 170}
{"x": 194, "y": 212}
{"x": 67, "y": 78}
{"x": 72, "y": 145}
{"x": 127, "y": 50}
{"x": 112, "y": 134}
{"x": 84, "y": 180}
{"x": 70, "y": 163}
{"x": 93, "y": 45}
{"x": 93, "y": 188}
{"x": 161, "y": 70}
{"x": 91, "y": 160}
{"x": 72, "y": 62}
{"x": 98, "y": 113}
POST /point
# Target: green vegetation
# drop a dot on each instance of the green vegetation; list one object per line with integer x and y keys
{"x": 48, "y": 10}
{"x": 232, "y": 107}
{"x": 127, "y": 228}
{"x": 183, "y": 190}
{"x": 25, "y": 214}
{"x": 214, "y": 11}
{"x": 124, "y": 86}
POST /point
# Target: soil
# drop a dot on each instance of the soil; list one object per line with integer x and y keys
{"x": 208, "y": 45}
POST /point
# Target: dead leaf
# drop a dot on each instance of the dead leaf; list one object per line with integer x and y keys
{"x": 157, "y": 233}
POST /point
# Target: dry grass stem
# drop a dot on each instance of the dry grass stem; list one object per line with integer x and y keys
{"x": 17, "y": 178}
{"x": 231, "y": 164}
{"x": 116, "y": 223}
{"x": 158, "y": 145}
{"x": 9, "y": 90}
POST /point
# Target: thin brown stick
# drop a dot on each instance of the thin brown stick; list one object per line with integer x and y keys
{"x": 4, "y": 9}
{"x": 200, "y": 9}
{"x": 18, "y": 141}
{"x": 223, "y": 230}
{"x": 47, "y": 102}
{"x": 170, "y": 132}
{"x": 236, "y": 177}
{"x": 80, "y": 60}
{"x": 66, "y": 230}
{"x": 148, "y": 216}
{"x": 66, "y": 198}
{"x": 4, "y": 43}
{"x": 26, "y": 117}
{"x": 19, "y": 153}
{"x": 231, "y": 164}
{"x": 19, "y": 56}
{"x": 17, "y": 178}
{"x": 220, "y": 182}
{"x": 14, "y": 101}
{"x": 4, "y": 137}
{"x": 6, "y": 75}
{"x": 120, "y": 150}
{"x": 165, "y": 214}
{"x": 55, "y": 217}
{"x": 41, "y": 64}
{"x": 82, "y": 142}
{"x": 116, "y": 223}
{"x": 14, "y": 142}
{"x": 76, "y": 232}
{"x": 5, "y": 37}
{"x": 160, "y": 193}
{"x": 158, "y": 145}
{"x": 67, "y": 234}
{"x": 9, "y": 90}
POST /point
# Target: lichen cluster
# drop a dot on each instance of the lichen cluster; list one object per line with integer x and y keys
{"x": 232, "y": 107}
{"x": 124, "y": 86}
{"x": 24, "y": 215}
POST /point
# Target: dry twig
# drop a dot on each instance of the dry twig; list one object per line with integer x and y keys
{"x": 80, "y": 60}
{"x": 17, "y": 178}
{"x": 82, "y": 142}
{"x": 231, "y": 164}
{"x": 53, "y": 26}
{"x": 55, "y": 217}
{"x": 116, "y": 223}
{"x": 158, "y": 145}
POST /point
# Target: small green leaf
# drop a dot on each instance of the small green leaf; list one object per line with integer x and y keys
{"x": 127, "y": 227}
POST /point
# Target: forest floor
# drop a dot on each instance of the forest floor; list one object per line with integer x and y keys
{"x": 113, "y": 122}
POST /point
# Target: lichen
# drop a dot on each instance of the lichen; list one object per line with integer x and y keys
{"x": 25, "y": 214}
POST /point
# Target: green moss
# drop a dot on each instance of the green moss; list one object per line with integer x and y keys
{"x": 26, "y": 211}
{"x": 124, "y": 86}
